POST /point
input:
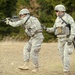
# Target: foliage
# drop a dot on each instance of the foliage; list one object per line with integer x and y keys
{"x": 45, "y": 13}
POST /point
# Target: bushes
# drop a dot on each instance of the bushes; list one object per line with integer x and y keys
{"x": 45, "y": 13}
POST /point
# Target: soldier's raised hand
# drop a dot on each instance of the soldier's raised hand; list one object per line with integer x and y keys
{"x": 7, "y": 21}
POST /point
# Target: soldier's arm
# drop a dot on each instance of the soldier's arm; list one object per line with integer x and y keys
{"x": 72, "y": 23}
{"x": 50, "y": 30}
{"x": 16, "y": 23}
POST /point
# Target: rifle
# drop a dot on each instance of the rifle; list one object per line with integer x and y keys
{"x": 13, "y": 19}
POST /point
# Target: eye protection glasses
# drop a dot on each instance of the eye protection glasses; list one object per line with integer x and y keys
{"x": 22, "y": 15}
{"x": 56, "y": 11}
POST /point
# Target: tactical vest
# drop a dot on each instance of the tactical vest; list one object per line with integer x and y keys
{"x": 63, "y": 30}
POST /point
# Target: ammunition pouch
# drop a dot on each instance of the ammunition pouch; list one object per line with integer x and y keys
{"x": 63, "y": 30}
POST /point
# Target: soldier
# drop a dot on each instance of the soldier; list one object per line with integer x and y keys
{"x": 64, "y": 29}
{"x": 33, "y": 29}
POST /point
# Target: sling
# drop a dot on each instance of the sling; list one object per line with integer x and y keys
{"x": 25, "y": 22}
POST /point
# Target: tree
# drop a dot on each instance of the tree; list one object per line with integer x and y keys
{"x": 43, "y": 9}
{"x": 7, "y": 8}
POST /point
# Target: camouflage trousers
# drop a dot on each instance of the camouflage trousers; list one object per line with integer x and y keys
{"x": 65, "y": 51}
{"x": 32, "y": 49}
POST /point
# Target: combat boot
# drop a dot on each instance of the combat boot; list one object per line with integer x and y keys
{"x": 67, "y": 73}
{"x": 35, "y": 70}
{"x": 25, "y": 66}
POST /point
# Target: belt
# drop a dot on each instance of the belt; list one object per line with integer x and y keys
{"x": 36, "y": 33}
{"x": 61, "y": 37}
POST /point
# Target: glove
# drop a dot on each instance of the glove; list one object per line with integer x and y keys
{"x": 44, "y": 27}
{"x": 69, "y": 41}
{"x": 7, "y": 21}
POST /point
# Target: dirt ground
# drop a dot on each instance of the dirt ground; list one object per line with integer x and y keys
{"x": 50, "y": 63}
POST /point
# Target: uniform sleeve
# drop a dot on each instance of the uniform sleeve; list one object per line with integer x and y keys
{"x": 18, "y": 23}
{"x": 72, "y": 23}
{"x": 51, "y": 29}
{"x": 15, "y": 24}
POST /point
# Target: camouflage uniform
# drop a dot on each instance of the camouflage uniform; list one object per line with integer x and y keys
{"x": 34, "y": 31}
{"x": 64, "y": 49}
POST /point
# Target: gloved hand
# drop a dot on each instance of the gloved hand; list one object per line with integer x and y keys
{"x": 69, "y": 41}
{"x": 7, "y": 21}
{"x": 44, "y": 27}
